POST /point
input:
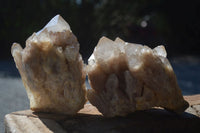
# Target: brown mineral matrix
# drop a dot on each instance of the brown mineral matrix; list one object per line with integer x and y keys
{"x": 127, "y": 77}
{"x": 51, "y": 69}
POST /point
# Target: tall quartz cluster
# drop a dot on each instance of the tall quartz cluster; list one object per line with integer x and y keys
{"x": 52, "y": 69}
{"x": 127, "y": 77}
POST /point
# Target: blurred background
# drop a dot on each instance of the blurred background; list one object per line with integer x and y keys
{"x": 172, "y": 23}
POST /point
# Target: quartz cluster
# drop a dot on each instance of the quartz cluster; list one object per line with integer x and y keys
{"x": 126, "y": 77}
{"x": 51, "y": 69}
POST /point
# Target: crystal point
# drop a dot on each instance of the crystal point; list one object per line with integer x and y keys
{"x": 56, "y": 24}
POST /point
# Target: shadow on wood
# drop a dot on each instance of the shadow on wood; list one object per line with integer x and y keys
{"x": 90, "y": 120}
{"x": 154, "y": 120}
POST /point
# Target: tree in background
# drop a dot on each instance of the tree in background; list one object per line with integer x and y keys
{"x": 174, "y": 24}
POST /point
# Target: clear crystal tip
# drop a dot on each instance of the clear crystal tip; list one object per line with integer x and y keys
{"x": 56, "y": 24}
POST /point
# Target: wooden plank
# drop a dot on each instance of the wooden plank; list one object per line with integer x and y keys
{"x": 25, "y": 124}
{"x": 193, "y": 99}
{"x": 91, "y": 120}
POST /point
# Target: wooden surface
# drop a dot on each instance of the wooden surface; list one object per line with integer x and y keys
{"x": 90, "y": 120}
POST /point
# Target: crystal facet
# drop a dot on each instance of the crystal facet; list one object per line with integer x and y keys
{"x": 56, "y": 24}
{"x": 127, "y": 77}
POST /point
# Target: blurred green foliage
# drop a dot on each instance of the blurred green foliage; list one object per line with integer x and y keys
{"x": 174, "y": 24}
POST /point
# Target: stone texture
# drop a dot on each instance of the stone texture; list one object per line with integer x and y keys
{"x": 127, "y": 77}
{"x": 52, "y": 69}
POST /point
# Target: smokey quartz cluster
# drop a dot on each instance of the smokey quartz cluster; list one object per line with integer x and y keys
{"x": 127, "y": 77}
{"x": 51, "y": 69}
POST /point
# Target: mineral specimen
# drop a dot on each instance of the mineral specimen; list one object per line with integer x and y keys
{"x": 127, "y": 77}
{"x": 51, "y": 69}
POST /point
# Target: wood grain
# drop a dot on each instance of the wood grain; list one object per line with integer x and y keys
{"x": 90, "y": 120}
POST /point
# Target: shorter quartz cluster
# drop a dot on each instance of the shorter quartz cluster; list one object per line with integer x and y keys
{"x": 51, "y": 69}
{"x": 126, "y": 77}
